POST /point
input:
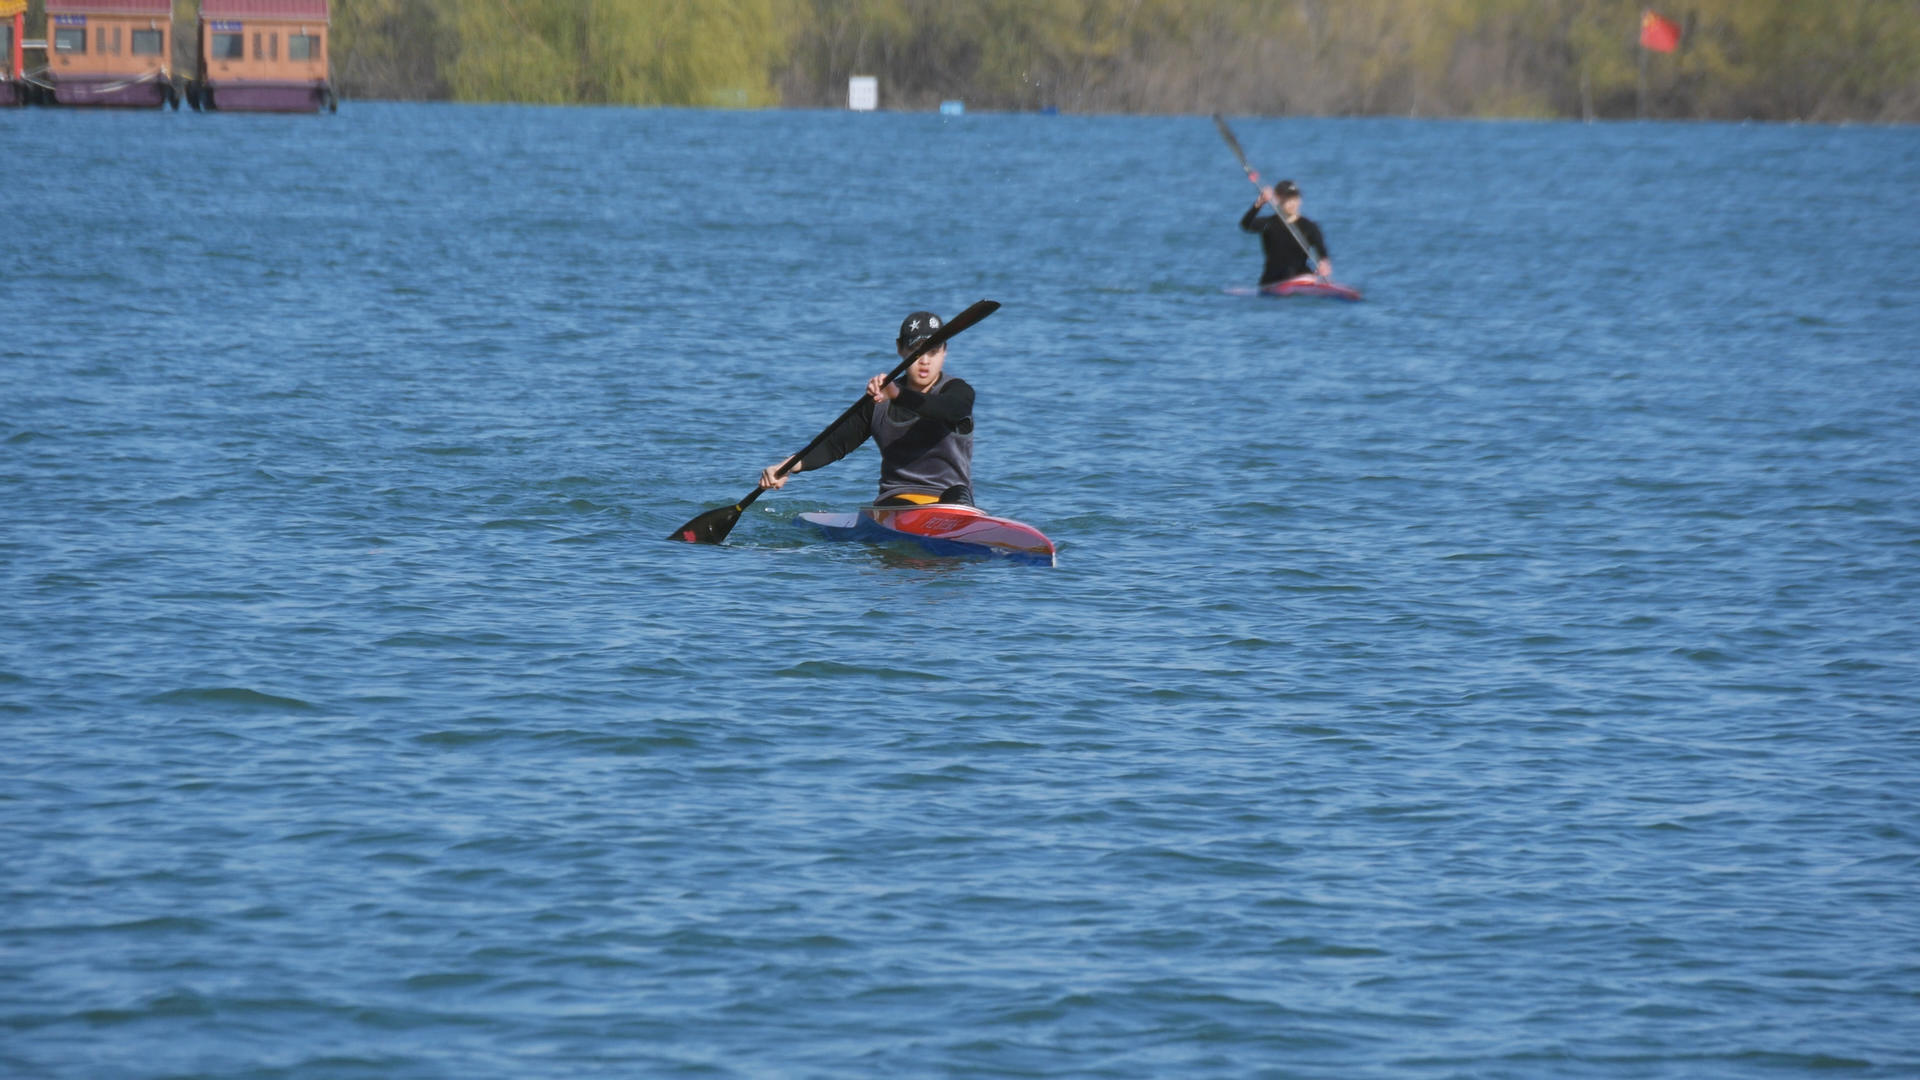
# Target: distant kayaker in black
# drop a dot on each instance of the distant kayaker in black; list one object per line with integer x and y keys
{"x": 1285, "y": 257}
{"x": 923, "y": 425}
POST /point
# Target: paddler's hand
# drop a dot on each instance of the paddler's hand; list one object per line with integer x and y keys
{"x": 882, "y": 391}
{"x": 768, "y": 479}
{"x": 1326, "y": 269}
{"x": 1266, "y": 196}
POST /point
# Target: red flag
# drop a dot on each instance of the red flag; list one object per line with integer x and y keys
{"x": 1659, "y": 33}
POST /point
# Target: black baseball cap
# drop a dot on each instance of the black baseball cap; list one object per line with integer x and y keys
{"x": 1286, "y": 189}
{"x": 917, "y": 328}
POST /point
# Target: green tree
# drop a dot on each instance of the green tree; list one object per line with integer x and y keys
{"x": 1785, "y": 59}
{"x": 387, "y": 48}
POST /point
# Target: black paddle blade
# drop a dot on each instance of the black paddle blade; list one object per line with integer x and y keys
{"x": 975, "y": 311}
{"x": 1233, "y": 144}
{"x": 711, "y": 527}
{"x": 1220, "y": 124}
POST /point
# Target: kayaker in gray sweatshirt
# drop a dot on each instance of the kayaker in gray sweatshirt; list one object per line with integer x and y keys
{"x": 923, "y": 425}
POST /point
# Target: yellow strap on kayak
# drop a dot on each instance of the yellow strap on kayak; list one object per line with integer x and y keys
{"x": 916, "y": 498}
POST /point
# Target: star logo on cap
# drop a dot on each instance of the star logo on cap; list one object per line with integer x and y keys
{"x": 913, "y": 324}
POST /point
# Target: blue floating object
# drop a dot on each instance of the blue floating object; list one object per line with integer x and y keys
{"x": 953, "y": 108}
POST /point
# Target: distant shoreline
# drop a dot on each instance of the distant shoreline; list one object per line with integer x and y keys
{"x": 1202, "y": 114}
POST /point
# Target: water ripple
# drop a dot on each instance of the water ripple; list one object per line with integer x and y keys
{"x": 1507, "y": 676}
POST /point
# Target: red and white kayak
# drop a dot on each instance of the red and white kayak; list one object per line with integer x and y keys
{"x": 941, "y": 528}
{"x": 1304, "y": 285}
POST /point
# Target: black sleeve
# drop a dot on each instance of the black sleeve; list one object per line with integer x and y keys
{"x": 952, "y": 406}
{"x": 1314, "y": 240}
{"x": 1248, "y": 221}
{"x": 842, "y": 438}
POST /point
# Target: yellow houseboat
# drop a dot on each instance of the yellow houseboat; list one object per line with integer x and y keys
{"x": 13, "y": 25}
{"x": 110, "y": 52}
{"x": 263, "y": 56}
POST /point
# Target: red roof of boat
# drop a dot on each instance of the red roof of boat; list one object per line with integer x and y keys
{"x": 263, "y": 9}
{"x": 110, "y": 7}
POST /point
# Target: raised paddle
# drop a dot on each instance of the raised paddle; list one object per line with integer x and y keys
{"x": 713, "y": 526}
{"x": 1234, "y": 145}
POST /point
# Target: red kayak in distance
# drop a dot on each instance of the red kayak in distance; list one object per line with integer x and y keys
{"x": 941, "y": 528}
{"x": 1304, "y": 285}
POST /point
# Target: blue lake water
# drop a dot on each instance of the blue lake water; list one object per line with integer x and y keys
{"x": 1515, "y": 674}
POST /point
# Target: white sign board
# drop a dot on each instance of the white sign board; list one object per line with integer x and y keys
{"x": 863, "y": 93}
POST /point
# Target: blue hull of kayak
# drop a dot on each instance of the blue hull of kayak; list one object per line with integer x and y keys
{"x": 939, "y": 529}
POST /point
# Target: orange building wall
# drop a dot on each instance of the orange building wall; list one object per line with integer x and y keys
{"x": 265, "y": 41}
{"x": 13, "y": 19}
{"x": 110, "y": 47}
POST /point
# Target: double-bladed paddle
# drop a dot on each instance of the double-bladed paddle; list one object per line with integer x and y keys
{"x": 713, "y": 526}
{"x": 1234, "y": 145}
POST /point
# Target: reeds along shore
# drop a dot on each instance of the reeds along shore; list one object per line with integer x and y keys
{"x": 1837, "y": 60}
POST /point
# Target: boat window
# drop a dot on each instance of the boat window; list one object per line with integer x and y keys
{"x": 303, "y": 46}
{"x": 273, "y": 46}
{"x": 149, "y": 42}
{"x": 70, "y": 39}
{"x": 100, "y": 40}
{"x": 116, "y": 41}
{"x": 229, "y": 47}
